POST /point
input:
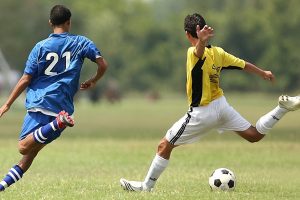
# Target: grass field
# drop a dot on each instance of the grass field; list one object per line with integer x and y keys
{"x": 110, "y": 141}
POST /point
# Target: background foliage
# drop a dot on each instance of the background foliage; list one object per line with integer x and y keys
{"x": 144, "y": 41}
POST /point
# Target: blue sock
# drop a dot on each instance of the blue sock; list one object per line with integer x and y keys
{"x": 41, "y": 134}
{"x": 14, "y": 174}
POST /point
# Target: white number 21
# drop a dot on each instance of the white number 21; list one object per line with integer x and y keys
{"x": 55, "y": 58}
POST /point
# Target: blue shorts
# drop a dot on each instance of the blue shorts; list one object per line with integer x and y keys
{"x": 35, "y": 120}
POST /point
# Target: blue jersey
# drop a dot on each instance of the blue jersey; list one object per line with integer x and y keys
{"x": 55, "y": 65}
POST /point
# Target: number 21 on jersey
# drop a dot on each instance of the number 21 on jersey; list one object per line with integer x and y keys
{"x": 55, "y": 57}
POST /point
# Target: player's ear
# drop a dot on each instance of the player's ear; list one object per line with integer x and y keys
{"x": 68, "y": 23}
{"x": 50, "y": 23}
{"x": 188, "y": 35}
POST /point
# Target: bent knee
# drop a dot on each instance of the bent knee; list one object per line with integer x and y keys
{"x": 23, "y": 150}
{"x": 253, "y": 140}
{"x": 162, "y": 144}
{"x": 165, "y": 147}
{"x": 251, "y": 135}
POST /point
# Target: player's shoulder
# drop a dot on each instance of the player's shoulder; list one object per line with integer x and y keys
{"x": 215, "y": 48}
{"x": 41, "y": 43}
{"x": 79, "y": 38}
{"x": 191, "y": 50}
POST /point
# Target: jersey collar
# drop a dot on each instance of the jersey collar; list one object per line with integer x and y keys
{"x": 65, "y": 34}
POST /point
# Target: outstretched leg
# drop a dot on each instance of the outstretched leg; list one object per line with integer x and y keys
{"x": 268, "y": 121}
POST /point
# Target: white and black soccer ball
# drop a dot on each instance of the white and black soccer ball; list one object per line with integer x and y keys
{"x": 222, "y": 179}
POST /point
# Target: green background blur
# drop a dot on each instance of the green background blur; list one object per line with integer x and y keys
{"x": 145, "y": 44}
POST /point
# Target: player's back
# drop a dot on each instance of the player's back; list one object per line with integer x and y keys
{"x": 55, "y": 64}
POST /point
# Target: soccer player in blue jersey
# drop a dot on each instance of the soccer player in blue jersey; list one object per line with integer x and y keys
{"x": 51, "y": 77}
{"x": 208, "y": 106}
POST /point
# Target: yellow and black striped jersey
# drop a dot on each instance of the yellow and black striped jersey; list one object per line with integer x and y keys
{"x": 203, "y": 75}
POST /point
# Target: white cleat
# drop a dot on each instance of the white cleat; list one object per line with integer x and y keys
{"x": 135, "y": 186}
{"x": 289, "y": 103}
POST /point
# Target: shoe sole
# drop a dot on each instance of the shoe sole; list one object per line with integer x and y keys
{"x": 283, "y": 104}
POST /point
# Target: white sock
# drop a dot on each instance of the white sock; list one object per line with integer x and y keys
{"x": 158, "y": 165}
{"x": 266, "y": 122}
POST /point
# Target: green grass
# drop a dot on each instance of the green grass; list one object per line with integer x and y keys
{"x": 113, "y": 141}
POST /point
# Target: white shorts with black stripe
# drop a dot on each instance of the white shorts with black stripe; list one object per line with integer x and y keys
{"x": 199, "y": 120}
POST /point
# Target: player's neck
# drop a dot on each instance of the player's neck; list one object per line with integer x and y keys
{"x": 193, "y": 42}
{"x": 63, "y": 28}
{"x": 59, "y": 30}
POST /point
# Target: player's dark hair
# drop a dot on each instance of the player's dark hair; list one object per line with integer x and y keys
{"x": 191, "y": 22}
{"x": 59, "y": 14}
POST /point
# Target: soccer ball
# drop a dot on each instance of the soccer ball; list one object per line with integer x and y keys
{"x": 222, "y": 179}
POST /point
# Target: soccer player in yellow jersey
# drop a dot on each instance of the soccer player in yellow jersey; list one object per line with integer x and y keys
{"x": 208, "y": 106}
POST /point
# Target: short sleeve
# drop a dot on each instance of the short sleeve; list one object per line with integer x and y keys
{"x": 32, "y": 62}
{"x": 231, "y": 61}
{"x": 91, "y": 51}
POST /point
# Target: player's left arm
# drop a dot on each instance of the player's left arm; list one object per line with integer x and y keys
{"x": 90, "y": 83}
{"x": 266, "y": 75}
{"x": 19, "y": 88}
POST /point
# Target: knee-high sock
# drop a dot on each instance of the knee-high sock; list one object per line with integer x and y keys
{"x": 157, "y": 166}
{"x": 14, "y": 174}
{"x": 266, "y": 122}
{"x": 41, "y": 134}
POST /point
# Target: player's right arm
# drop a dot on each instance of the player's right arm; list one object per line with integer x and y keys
{"x": 203, "y": 36}
{"x": 19, "y": 88}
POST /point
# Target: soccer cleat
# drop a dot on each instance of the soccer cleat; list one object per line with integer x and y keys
{"x": 289, "y": 103}
{"x": 63, "y": 119}
{"x": 134, "y": 186}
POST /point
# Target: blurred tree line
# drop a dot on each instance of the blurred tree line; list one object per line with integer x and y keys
{"x": 145, "y": 44}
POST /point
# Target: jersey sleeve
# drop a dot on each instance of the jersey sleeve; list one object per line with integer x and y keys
{"x": 31, "y": 65}
{"x": 230, "y": 61}
{"x": 91, "y": 51}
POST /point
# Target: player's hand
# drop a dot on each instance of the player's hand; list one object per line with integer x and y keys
{"x": 205, "y": 33}
{"x": 87, "y": 85}
{"x": 268, "y": 75}
{"x": 4, "y": 109}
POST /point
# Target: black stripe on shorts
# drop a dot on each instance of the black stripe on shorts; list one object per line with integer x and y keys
{"x": 182, "y": 128}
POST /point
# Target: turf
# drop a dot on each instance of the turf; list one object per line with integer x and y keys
{"x": 110, "y": 141}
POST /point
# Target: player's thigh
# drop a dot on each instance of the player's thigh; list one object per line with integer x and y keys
{"x": 231, "y": 120}
{"x": 192, "y": 126}
{"x": 35, "y": 120}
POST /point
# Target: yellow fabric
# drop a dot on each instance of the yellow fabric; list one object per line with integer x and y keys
{"x": 203, "y": 75}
